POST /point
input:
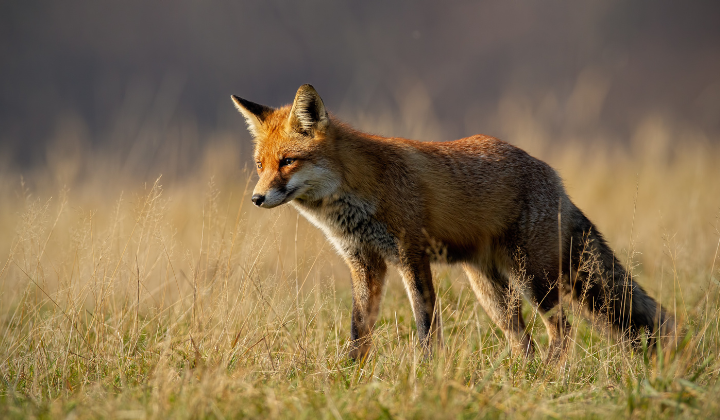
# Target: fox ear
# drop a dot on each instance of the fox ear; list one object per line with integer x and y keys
{"x": 254, "y": 114}
{"x": 308, "y": 112}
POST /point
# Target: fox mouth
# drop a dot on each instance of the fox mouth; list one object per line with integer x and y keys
{"x": 290, "y": 195}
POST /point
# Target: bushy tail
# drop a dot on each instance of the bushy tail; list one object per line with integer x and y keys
{"x": 608, "y": 291}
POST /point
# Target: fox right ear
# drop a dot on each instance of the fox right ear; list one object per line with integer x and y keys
{"x": 254, "y": 114}
{"x": 308, "y": 112}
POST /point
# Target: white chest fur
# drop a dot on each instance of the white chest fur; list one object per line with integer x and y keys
{"x": 350, "y": 224}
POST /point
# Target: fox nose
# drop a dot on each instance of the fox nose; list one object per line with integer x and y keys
{"x": 258, "y": 199}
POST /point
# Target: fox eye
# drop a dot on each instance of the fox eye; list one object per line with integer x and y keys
{"x": 259, "y": 165}
{"x": 287, "y": 161}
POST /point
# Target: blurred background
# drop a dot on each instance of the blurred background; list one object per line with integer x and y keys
{"x": 139, "y": 88}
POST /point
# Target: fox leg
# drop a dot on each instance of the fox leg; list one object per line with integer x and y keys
{"x": 546, "y": 297}
{"x": 558, "y": 329}
{"x": 492, "y": 289}
{"x": 368, "y": 280}
{"x": 417, "y": 278}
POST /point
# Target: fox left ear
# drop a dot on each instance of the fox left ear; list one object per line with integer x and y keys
{"x": 255, "y": 114}
{"x": 308, "y": 112}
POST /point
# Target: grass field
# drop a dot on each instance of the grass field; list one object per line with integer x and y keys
{"x": 177, "y": 299}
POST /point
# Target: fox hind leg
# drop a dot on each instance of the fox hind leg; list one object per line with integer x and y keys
{"x": 558, "y": 329}
{"x": 492, "y": 289}
{"x": 545, "y": 295}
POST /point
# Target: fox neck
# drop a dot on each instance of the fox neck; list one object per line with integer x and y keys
{"x": 361, "y": 158}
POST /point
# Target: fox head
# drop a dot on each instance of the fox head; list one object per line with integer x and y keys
{"x": 292, "y": 149}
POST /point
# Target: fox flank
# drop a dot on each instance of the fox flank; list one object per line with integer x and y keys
{"x": 477, "y": 201}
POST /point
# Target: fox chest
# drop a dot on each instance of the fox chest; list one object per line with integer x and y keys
{"x": 351, "y": 225}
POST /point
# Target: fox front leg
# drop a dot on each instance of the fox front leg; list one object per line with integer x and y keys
{"x": 417, "y": 277}
{"x": 368, "y": 280}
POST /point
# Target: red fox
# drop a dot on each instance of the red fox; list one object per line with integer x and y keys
{"x": 486, "y": 204}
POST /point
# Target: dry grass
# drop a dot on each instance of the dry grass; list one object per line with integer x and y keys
{"x": 182, "y": 301}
